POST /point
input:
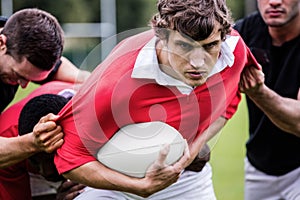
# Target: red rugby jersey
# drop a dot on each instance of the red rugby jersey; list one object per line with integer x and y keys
{"x": 14, "y": 180}
{"x": 111, "y": 99}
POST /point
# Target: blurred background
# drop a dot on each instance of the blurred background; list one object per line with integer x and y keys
{"x": 93, "y": 27}
{"x": 87, "y": 23}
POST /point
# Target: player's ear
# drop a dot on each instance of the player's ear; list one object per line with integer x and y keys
{"x": 3, "y": 39}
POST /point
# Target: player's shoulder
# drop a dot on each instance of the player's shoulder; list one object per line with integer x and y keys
{"x": 254, "y": 19}
{"x": 135, "y": 41}
{"x": 249, "y": 24}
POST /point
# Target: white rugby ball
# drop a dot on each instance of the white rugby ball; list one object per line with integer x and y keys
{"x": 136, "y": 146}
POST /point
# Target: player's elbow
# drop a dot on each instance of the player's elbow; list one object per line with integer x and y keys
{"x": 296, "y": 130}
{"x": 292, "y": 128}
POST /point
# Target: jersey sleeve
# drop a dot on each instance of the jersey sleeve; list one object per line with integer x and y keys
{"x": 233, "y": 106}
{"x": 92, "y": 117}
{"x": 72, "y": 153}
{"x": 88, "y": 120}
{"x": 243, "y": 58}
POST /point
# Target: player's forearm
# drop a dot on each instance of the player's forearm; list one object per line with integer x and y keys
{"x": 283, "y": 112}
{"x": 94, "y": 174}
{"x": 68, "y": 72}
{"x": 209, "y": 133}
{"x": 214, "y": 128}
{"x": 16, "y": 149}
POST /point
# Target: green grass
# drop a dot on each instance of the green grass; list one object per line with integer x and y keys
{"x": 21, "y": 93}
{"x": 228, "y": 152}
{"x": 227, "y": 158}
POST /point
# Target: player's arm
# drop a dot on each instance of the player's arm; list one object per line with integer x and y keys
{"x": 209, "y": 133}
{"x": 15, "y": 149}
{"x": 283, "y": 112}
{"x": 158, "y": 177}
{"x": 46, "y": 136}
{"x": 68, "y": 72}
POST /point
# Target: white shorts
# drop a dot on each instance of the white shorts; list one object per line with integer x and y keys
{"x": 260, "y": 186}
{"x": 190, "y": 186}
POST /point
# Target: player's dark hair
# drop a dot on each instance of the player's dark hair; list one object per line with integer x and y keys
{"x": 31, "y": 113}
{"x": 38, "y": 107}
{"x": 193, "y": 18}
{"x": 36, "y": 35}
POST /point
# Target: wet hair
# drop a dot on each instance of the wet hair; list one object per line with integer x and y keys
{"x": 36, "y": 35}
{"x": 38, "y": 107}
{"x": 191, "y": 18}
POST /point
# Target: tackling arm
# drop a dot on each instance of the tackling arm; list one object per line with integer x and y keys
{"x": 16, "y": 149}
{"x": 68, "y": 72}
{"x": 46, "y": 136}
{"x": 283, "y": 112}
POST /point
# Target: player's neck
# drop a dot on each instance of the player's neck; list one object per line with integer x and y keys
{"x": 285, "y": 33}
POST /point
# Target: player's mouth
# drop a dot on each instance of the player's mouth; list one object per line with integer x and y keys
{"x": 197, "y": 74}
{"x": 274, "y": 12}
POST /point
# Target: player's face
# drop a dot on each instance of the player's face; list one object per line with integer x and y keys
{"x": 277, "y": 13}
{"x": 191, "y": 61}
{"x": 15, "y": 72}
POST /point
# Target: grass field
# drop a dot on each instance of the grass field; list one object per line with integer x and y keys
{"x": 227, "y": 158}
{"x": 228, "y": 151}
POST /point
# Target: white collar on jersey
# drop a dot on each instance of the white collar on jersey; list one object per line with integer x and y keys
{"x": 146, "y": 65}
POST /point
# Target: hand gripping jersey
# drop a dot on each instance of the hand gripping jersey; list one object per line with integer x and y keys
{"x": 270, "y": 149}
{"x": 111, "y": 99}
{"x": 14, "y": 180}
